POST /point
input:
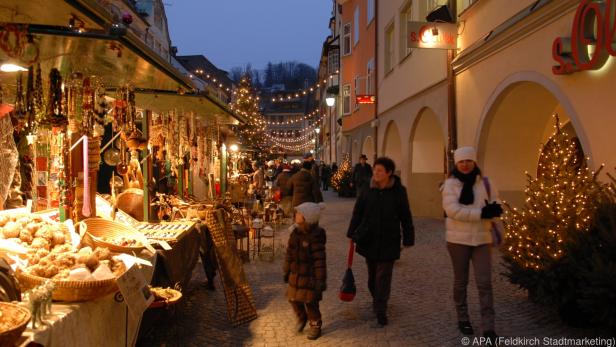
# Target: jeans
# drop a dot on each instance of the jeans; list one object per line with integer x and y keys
{"x": 461, "y": 256}
{"x": 379, "y": 283}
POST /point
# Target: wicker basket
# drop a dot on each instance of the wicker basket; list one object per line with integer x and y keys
{"x": 69, "y": 290}
{"x": 98, "y": 228}
{"x": 169, "y": 302}
{"x": 10, "y": 336}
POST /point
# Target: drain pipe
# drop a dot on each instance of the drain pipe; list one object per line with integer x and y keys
{"x": 375, "y": 122}
{"x": 452, "y": 128}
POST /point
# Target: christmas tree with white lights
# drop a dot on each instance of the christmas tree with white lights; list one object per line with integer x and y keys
{"x": 341, "y": 180}
{"x": 246, "y": 104}
{"x": 561, "y": 200}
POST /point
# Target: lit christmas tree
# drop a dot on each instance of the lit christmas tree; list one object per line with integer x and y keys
{"x": 562, "y": 198}
{"x": 247, "y": 105}
{"x": 341, "y": 180}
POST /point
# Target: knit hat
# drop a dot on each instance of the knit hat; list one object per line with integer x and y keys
{"x": 310, "y": 211}
{"x": 465, "y": 153}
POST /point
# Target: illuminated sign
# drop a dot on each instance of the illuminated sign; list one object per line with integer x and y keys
{"x": 592, "y": 38}
{"x": 432, "y": 35}
{"x": 365, "y": 99}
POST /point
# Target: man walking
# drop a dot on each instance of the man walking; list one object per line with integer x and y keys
{"x": 362, "y": 174}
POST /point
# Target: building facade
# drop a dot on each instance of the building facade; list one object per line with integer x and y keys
{"x": 513, "y": 73}
{"x": 357, "y": 24}
{"x": 412, "y": 103}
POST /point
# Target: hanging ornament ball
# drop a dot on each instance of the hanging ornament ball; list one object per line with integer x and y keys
{"x": 111, "y": 157}
{"x": 127, "y": 18}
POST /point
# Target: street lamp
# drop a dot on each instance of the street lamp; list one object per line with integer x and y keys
{"x": 330, "y": 100}
{"x": 316, "y": 143}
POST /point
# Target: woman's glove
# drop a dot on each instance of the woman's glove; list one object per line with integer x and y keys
{"x": 286, "y": 277}
{"x": 320, "y": 286}
{"x": 491, "y": 210}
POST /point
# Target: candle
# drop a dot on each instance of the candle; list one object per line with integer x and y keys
{"x": 86, "y": 211}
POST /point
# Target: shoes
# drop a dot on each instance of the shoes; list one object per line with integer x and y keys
{"x": 301, "y": 324}
{"x": 491, "y": 335}
{"x": 381, "y": 318}
{"x": 465, "y": 327}
{"x": 314, "y": 331}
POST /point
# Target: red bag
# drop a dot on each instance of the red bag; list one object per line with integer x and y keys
{"x": 348, "y": 289}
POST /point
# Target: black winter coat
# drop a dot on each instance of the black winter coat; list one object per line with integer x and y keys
{"x": 384, "y": 214}
{"x": 304, "y": 188}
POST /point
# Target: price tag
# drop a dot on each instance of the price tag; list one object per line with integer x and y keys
{"x": 135, "y": 291}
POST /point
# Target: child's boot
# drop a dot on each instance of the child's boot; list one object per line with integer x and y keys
{"x": 314, "y": 332}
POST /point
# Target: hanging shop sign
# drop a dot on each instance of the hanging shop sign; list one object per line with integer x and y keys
{"x": 432, "y": 35}
{"x": 365, "y": 99}
{"x": 592, "y": 38}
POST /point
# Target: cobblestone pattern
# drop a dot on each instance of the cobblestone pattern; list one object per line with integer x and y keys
{"x": 421, "y": 311}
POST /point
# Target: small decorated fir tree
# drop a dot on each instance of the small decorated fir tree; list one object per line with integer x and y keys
{"x": 564, "y": 196}
{"x": 341, "y": 180}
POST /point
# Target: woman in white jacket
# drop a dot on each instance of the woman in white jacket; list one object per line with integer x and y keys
{"x": 469, "y": 213}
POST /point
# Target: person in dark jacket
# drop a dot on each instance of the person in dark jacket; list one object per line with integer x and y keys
{"x": 379, "y": 216}
{"x": 303, "y": 187}
{"x": 362, "y": 173}
{"x": 325, "y": 176}
{"x": 305, "y": 269}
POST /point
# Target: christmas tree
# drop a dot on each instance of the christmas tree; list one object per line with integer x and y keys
{"x": 562, "y": 199}
{"x": 341, "y": 180}
{"x": 246, "y": 104}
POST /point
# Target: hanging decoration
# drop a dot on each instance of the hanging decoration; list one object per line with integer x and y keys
{"x": 303, "y": 92}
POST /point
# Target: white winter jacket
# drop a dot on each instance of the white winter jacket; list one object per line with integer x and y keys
{"x": 463, "y": 223}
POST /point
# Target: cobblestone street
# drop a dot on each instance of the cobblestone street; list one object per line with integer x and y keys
{"x": 421, "y": 310}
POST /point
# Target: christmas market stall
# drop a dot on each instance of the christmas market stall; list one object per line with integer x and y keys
{"x": 68, "y": 81}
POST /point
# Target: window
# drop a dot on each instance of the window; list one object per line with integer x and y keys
{"x": 333, "y": 61}
{"x": 405, "y": 17}
{"x": 356, "y": 26}
{"x": 357, "y": 90}
{"x": 389, "y": 48}
{"x": 346, "y": 99}
{"x": 346, "y": 39}
{"x": 370, "y": 12}
{"x": 370, "y": 77}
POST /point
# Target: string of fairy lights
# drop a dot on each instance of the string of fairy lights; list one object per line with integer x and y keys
{"x": 246, "y": 104}
{"x": 305, "y": 91}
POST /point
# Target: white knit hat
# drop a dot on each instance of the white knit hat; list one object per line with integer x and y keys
{"x": 465, "y": 153}
{"x": 310, "y": 211}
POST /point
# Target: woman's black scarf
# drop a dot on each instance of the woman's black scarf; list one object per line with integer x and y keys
{"x": 467, "y": 197}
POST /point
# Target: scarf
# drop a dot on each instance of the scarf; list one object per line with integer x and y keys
{"x": 467, "y": 197}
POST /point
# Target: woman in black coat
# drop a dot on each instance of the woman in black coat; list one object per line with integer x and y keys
{"x": 381, "y": 219}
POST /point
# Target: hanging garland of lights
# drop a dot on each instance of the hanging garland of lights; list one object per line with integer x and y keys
{"x": 211, "y": 79}
{"x": 289, "y": 133}
{"x": 295, "y": 120}
{"x": 296, "y": 148}
{"x": 290, "y": 139}
{"x": 303, "y": 92}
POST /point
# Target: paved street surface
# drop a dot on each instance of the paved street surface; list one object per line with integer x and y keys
{"x": 421, "y": 310}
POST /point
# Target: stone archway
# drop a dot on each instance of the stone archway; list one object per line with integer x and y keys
{"x": 426, "y": 166}
{"x": 355, "y": 152}
{"x": 368, "y": 149}
{"x": 518, "y": 122}
{"x": 392, "y": 146}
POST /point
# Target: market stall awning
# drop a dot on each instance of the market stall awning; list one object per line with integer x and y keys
{"x": 202, "y": 105}
{"x": 45, "y": 12}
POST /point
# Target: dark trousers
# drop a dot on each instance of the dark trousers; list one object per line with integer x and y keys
{"x": 307, "y": 310}
{"x": 379, "y": 283}
{"x": 207, "y": 253}
{"x": 325, "y": 184}
{"x": 461, "y": 256}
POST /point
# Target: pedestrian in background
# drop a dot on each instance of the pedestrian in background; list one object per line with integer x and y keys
{"x": 325, "y": 175}
{"x": 305, "y": 268}
{"x": 362, "y": 173}
{"x": 381, "y": 219}
{"x": 334, "y": 168}
{"x": 468, "y": 223}
{"x": 303, "y": 187}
